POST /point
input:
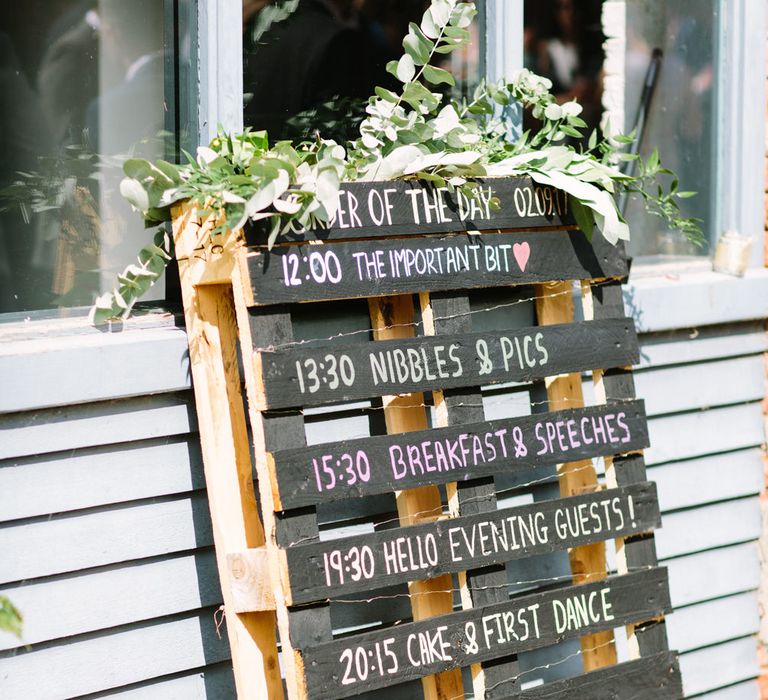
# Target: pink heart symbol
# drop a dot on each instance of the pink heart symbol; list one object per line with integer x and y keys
{"x": 521, "y": 251}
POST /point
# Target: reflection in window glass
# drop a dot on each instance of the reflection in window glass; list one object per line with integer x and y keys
{"x": 563, "y": 42}
{"x": 681, "y": 121}
{"x": 82, "y": 88}
{"x": 310, "y": 65}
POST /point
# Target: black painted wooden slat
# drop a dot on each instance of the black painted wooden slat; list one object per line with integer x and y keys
{"x": 282, "y": 431}
{"x": 296, "y": 376}
{"x": 652, "y": 678}
{"x": 399, "y": 207}
{"x": 365, "y": 562}
{"x": 329, "y": 471}
{"x": 303, "y": 273}
{"x": 353, "y": 665}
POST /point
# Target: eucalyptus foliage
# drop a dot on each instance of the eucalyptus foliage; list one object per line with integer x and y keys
{"x": 415, "y": 133}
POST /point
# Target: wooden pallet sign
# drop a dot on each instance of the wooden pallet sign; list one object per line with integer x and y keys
{"x": 392, "y": 561}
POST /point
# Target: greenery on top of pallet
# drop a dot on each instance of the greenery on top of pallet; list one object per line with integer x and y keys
{"x": 416, "y": 133}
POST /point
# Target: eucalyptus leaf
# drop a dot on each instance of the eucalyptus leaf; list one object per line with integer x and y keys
{"x": 417, "y": 45}
{"x": 406, "y": 69}
{"x": 429, "y": 26}
{"x": 135, "y": 193}
{"x": 583, "y": 216}
{"x": 436, "y": 76}
{"x": 441, "y": 12}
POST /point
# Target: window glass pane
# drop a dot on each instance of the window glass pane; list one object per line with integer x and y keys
{"x": 563, "y": 41}
{"x": 682, "y": 118}
{"x": 311, "y": 64}
{"x": 82, "y": 87}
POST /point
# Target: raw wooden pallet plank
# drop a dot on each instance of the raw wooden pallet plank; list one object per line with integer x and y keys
{"x": 354, "y": 468}
{"x": 296, "y": 376}
{"x": 350, "y": 666}
{"x": 554, "y": 305}
{"x": 302, "y": 273}
{"x": 362, "y": 563}
{"x": 392, "y": 318}
{"x": 213, "y": 354}
{"x": 368, "y": 209}
{"x": 652, "y": 678}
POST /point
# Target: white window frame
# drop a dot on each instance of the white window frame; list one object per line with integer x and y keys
{"x": 740, "y": 110}
{"x": 688, "y": 294}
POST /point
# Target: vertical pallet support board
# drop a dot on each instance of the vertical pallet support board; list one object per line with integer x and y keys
{"x": 444, "y": 541}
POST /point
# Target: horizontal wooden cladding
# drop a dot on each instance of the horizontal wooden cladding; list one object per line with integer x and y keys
{"x": 704, "y": 528}
{"x": 112, "y": 596}
{"x": 353, "y": 665}
{"x": 382, "y": 464}
{"x": 361, "y": 563}
{"x": 101, "y": 661}
{"x": 737, "y": 616}
{"x": 347, "y": 270}
{"x": 705, "y": 432}
{"x": 66, "y": 428}
{"x": 96, "y": 476}
{"x": 729, "y": 570}
{"x": 373, "y": 209}
{"x": 297, "y": 376}
{"x": 70, "y": 543}
{"x": 716, "y": 669}
{"x": 652, "y": 678}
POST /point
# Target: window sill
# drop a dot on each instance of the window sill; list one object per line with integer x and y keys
{"x": 690, "y": 294}
{"x": 36, "y": 325}
{"x": 53, "y": 362}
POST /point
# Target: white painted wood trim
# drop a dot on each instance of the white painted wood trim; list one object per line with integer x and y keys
{"x": 614, "y": 83}
{"x": 694, "y": 299}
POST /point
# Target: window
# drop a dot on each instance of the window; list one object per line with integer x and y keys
{"x": 84, "y": 85}
{"x": 564, "y": 42}
{"x": 682, "y": 119}
{"x": 311, "y": 65}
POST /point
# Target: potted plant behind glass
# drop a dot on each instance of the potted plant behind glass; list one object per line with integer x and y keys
{"x": 416, "y": 133}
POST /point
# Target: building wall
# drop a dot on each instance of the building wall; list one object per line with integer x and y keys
{"x": 106, "y": 540}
